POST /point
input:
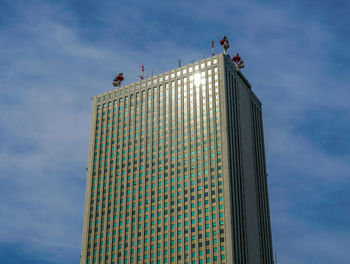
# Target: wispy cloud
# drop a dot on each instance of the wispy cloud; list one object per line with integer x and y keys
{"x": 55, "y": 56}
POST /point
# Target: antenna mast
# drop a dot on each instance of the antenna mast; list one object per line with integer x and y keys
{"x": 237, "y": 60}
{"x": 118, "y": 79}
{"x": 212, "y": 48}
{"x": 224, "y": 43}
{"x": 142, "y": 76}
{"x": 142, "y": 72}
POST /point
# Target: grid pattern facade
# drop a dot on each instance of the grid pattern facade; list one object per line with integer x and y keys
{"x": 177, "y": 171}
{"x": 155, "y": 176}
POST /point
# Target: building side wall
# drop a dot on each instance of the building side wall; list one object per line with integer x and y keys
{"x": 227, "y": 163}
{"x": 261, "y": 182}
{"x": 246, "y": 162}
{"x": 85, "y": 232}
{"x": 235, "y": 164}
{"x": 249, "y": 176}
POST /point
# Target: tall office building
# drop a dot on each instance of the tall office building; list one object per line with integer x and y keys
{"x": 176, "y": 171}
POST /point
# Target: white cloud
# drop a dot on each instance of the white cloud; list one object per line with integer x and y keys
{"x": 52, "y": 71}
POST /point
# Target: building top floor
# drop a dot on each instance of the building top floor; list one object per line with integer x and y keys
{"x": 172, "y": 75}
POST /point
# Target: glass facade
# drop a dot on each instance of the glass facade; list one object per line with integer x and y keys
{"x": 177, "y": 171}
{"x": 156, "y": 192}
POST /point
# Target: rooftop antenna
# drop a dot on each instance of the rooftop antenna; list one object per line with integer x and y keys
{"x": 212, "y": 48}
{"x": 142, "y": 76}
{"x": 224, "y": 43}
{"x": 118, "y": 79}
{"x": 179, "y": 63}
{"x": 237, "y": 60}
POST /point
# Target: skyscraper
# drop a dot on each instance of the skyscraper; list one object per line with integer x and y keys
{"x": 176, "y": 171}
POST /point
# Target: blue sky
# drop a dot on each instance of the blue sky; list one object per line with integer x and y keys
{"x": 55, "y": 55}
